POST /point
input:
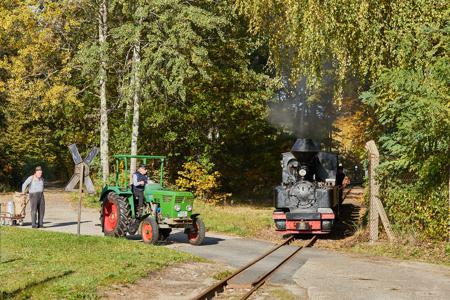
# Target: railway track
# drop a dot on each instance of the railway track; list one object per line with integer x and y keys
{"x": 219, "y": 287}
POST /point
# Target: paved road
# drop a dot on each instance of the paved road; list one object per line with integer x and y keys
{"x": 61, "y": 214}
{"x": 313, "y": 274}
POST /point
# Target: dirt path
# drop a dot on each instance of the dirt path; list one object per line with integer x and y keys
{"x": 177, "y": 282}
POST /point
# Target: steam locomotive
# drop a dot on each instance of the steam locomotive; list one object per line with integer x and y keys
{"x": 307, "y": 198}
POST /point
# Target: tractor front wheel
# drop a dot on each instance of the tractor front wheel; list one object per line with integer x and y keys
{"x": 149, "y": 230}
{"x": 196, "y": 235}
{"x": 115, "y": 215}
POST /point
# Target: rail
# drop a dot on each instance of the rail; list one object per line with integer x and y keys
{"x": 219, "y": 287}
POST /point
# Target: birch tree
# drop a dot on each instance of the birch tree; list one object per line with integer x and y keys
{"x": 103, "y": 77}
{"x": 136, "y": 100}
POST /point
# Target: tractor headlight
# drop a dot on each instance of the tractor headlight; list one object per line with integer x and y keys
{"x": 188, "y": 208}
{"x": 302, "y": 172}
{"x": 177, "y": 207}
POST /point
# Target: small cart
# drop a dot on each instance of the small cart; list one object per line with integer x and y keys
{"x": 14, "y": 213}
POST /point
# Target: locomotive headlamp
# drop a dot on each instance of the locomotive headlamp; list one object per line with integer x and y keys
{"x": 188, "y": 208}
{"x": 326, "y": 225}
{"x": 280, "y": 224}
{"x": 177, "y": 207}
{"x": 302, "y": 172}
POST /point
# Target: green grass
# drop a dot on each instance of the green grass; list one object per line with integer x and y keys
{"x": 50, "y": 265}
{"x": 282, "y": 294}
{"x": 222, "y": 275}
{"x": 238, "y": 220}
{"x": 431, "y": 252}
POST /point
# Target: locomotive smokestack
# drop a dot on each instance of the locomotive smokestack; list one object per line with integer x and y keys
{"x": 305, "y": 150}
{"x": 305, "y": 145}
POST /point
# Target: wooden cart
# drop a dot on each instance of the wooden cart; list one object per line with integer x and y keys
{"x": 20, "y": 204}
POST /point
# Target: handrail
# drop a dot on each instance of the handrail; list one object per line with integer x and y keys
{"x": 139, "y": 156}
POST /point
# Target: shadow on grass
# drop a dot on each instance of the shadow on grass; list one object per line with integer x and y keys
{"x": 12, "y": 294}
{"x": 9, "y": 260}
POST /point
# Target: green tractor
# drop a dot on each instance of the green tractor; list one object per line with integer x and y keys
{"x": 163, "y": 209}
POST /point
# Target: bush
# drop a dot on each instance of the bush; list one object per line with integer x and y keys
{"x": 203, "y": 183}
{"x": 414, "y": 207}
{"x": 411, "y": 104}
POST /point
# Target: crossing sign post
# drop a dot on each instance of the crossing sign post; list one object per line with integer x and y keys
{"x": 81, "y": 176}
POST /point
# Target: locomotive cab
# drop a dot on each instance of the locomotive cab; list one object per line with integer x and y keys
{"x": 306, "y": 199}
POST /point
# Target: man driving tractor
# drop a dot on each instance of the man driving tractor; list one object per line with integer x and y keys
{"x": 140, "y": 179}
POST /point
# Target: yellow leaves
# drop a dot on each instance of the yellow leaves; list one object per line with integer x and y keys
{"x": 60, "y": 93}
{"x": 36, "y": 67}
{"x": 205, "y": 185}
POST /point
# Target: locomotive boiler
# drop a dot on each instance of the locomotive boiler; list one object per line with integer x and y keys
{"x": 307, "y": 198}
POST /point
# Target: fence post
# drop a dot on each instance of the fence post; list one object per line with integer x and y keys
{"x": 374, "y": 159}
{"x": 376, "y": 207}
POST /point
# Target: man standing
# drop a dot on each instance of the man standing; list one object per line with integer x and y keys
{"x": 140, "y": 179}
{"x": 341, "y": 182}
{"x": 36, "y": 191}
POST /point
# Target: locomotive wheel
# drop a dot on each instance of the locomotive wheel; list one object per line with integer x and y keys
{"x": 164, "y": 233}
{"x": 196, "y": 235}
{"x": 149, "y": 230}
{"x": 115, "y": 215}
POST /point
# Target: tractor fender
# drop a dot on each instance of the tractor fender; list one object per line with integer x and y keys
{"x": 190, "y": 226}
{"x": 108, "y": 189}
{"x": 194, "y": 216}
{"x": 104, "y": 194}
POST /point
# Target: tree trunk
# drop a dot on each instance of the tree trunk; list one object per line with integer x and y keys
{"x": 136, "y": 94}
{"x": 104, "y": 134}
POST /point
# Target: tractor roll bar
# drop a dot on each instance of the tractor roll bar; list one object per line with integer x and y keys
{"x": 144, "y": 158}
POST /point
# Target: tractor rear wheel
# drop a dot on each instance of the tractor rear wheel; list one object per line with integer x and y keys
{"x": 149, "y": 230}
{"x": 115, "y": 215}
{"x": 196, "y": 235}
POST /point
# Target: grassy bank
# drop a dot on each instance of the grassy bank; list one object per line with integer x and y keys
{"x": 406, "y": 248}
{"x": 49, "y": 265}
{"x": 436, "y": 252}
{"x": 238, "y": 220}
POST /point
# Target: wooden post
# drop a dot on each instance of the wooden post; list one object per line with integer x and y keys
{"x": 449, "y": 202}
{"x": 376, "y": 207}
{"x": 373, "y": 212}
{"x": 80, "y": 194}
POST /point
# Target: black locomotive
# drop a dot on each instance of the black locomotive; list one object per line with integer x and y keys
{"x": 306, "y": 200}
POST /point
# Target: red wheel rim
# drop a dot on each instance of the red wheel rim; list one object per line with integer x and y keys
{"x": 147, "y": 232}
{"x": 193, "y": 234}
{"x": 109, "y": 216}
